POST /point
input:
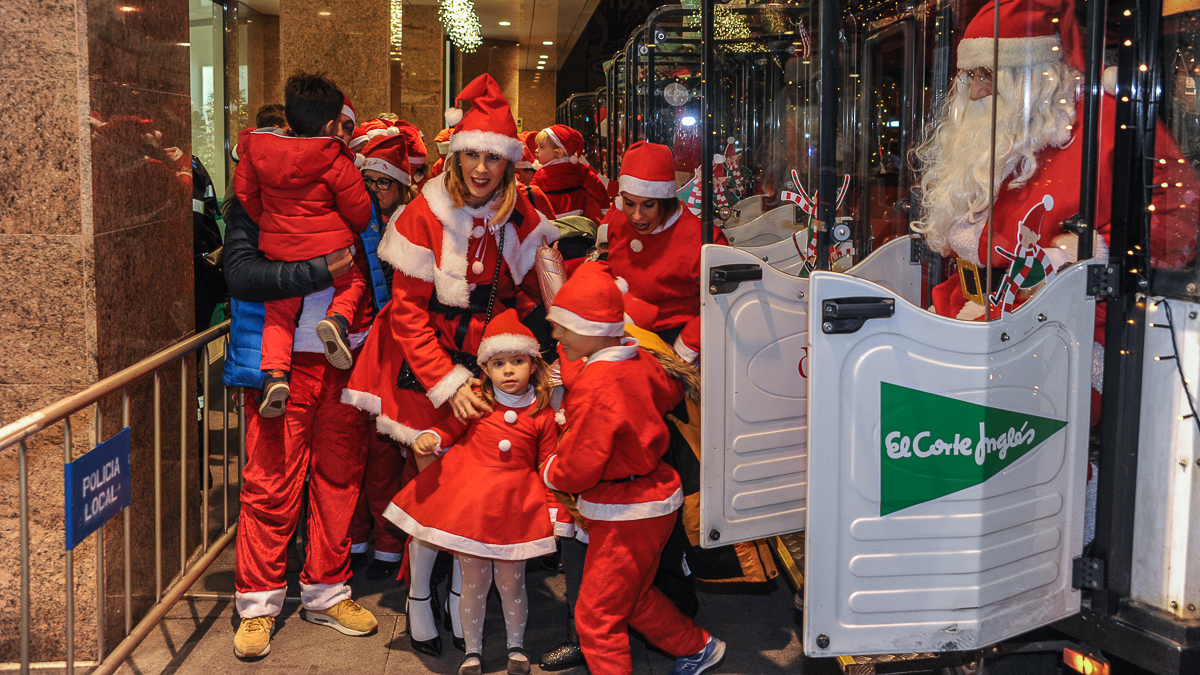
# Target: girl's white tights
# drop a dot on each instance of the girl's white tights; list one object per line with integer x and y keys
{"x": 477, "y": 574}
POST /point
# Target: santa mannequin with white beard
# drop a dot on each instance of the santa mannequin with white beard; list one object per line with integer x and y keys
{"x": 1038, "y": 151}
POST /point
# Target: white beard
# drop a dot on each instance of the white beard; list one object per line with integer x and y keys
{"x": 955, "y": 163}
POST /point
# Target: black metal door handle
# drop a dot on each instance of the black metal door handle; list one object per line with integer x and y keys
{"x": 847, "y": 315}
{"x": 726, "y": 278}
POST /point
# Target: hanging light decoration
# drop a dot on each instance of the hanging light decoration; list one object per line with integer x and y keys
{"x": 461, "y": 24}
{"x": 396, "y": 23}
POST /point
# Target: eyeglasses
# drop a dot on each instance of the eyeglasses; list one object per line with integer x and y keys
{"x": 381, "y": 184}
{"x": 984, "y": 75}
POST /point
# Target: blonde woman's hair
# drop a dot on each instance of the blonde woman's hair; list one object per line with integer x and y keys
{"x": 541, "y": 385}
{"x": 456, "y": 187}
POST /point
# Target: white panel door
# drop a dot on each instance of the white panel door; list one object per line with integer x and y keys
{"x": 946, "y": 468}
{"x": 754, "y": 347}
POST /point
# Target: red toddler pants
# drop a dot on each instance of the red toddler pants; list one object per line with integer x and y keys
{"x": 618, "y": 594}
{"x": 386, "y": 472}
{"x": 321, "y": 438}
{"x": 279, "y": 324}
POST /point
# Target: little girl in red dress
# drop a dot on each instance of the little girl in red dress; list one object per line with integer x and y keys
{"x": 483, "y": 499}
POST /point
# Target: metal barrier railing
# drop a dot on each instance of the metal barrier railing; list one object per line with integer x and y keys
{"x": 22, "y": 431}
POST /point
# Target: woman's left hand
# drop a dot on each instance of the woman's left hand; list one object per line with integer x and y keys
{"x": 466, "y": 404}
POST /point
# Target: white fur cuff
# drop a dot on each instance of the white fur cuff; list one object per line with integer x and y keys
{"x": 450, "y": 382}
{"x": 685, "y": 352}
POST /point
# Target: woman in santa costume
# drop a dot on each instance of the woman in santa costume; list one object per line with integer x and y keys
{"x": 654, "y": 244}
{"x": 460, "y": 251}
{"x": 571, "y": 185}
{"x": 611, "y": 456}
{"x": 503, "y": 519}
{"x": 386, "y": 173}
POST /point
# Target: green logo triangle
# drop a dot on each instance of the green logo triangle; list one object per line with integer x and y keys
{"x": 932, "y": 446}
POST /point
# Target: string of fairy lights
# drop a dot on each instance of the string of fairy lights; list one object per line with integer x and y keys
{"x": 461, "y": 23}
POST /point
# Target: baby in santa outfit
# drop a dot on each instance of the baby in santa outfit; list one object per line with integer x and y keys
{"x": 611, "y": 456}
{"x": 498, "y": 517}
{"x": 570, "y": 184}
{"x": 309, "y": 200}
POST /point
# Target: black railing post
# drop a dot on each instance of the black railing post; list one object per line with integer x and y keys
{"x": 708, "y": 124}
{"x": 827, "y": 180}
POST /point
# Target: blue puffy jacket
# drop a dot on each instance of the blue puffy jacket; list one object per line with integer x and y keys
{"x": 255, "y": 279}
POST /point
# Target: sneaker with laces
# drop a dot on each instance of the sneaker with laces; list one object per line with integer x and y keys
{"x": 275, "y": 394}
{"x": 702, "y": 660}
{"x": 346, "y": 617}
{"x": 334, "y": 332}
{"x": 253, "y": 638}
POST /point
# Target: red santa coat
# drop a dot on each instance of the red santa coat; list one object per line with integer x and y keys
{"x": 663, "y": 268}
{"x": 1173, "y": 225}
{"x": 573, "y": 189}
{"x": 538, "y": 198}
{"x": 306, "y": 195}
{"x": 611, "y": 453}
{"x": 504, "y": 514}
{"x": 442, "y": 252}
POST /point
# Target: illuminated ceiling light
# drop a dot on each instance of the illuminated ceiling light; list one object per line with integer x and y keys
{"x": 688, "y": 121}
{"x": 543, "y": 56}
{"x": 461, "y": 24}
{"x": 127, "y": 8}
{"x": 324, "y": 13}
{"x": 396, "y": 24}
{"x": 547, "y": 42}
{"x": 505, "y": 23}
{"x": 541, "y": 67}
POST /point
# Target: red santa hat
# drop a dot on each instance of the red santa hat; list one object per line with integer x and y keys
{"x": 730, "y": 148}
{"x": 590, "y": 303}
{"x": 358, "y": 138}
{"x": 376, "y": 128}
{"x": 529, "y": 156}
{"x": 506, "y": 333}
{"x": 348, "y": 109}
{"x": 602, "y": 121}
{"x": 639, "y": 312}
{"x": 416, "y": 142}
{"x": 648, "y": 170}
{"x": 442, "y": 141}
{"x": 1032, "y": 33}
{"x": 568, "y": 139}
{"x": 489, "y": 125}
{"x": 389, "y": 156}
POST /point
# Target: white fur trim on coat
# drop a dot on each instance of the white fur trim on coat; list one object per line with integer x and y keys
{"x": 363, "y": 401}
{"x": 447, "y": 540}
{"x": 507, "y": 342}
{"x": 520, "y": 254}
{"x": 1014, "y": 52}
{"x": 642, "y": 511}
{"x": 658, "y": 189}
{"x": 401, "y": 433}
{"x": 577, "y": 324}
{"x": 450, "y": 382}
{"x": 507, "y": 147}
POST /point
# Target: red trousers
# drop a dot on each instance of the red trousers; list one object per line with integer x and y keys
{"x": 321, "y": 438}
{"x": 279, "y": 324}
{"x": 618, "y": 594}
{"x": 386, "y": 473}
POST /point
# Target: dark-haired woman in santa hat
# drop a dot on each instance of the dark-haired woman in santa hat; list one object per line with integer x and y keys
{"x": 460, "y": 252}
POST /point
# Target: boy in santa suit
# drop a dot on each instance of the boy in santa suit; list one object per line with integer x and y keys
{"x": 309, "y": 200}
{"x": 611, "y": 456}
{"x": 572, "y": 187}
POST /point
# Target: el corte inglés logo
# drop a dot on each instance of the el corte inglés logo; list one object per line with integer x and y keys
{"x": 932, "y": 446}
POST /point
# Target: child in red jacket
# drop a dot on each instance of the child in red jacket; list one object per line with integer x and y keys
{"x": 309, "y": 200}
{"x": 611, "y": 456}
{"x": 572, "y": 187}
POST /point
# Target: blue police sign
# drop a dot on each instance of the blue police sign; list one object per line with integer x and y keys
{"x": 97, "y": 487}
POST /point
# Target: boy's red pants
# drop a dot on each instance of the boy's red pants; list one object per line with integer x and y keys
{"x": 618, "y": 594}
{"x": 325, "y": 440}
{"x": 279, "y": 324}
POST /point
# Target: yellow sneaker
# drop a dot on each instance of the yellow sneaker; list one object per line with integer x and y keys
{"x": 253, "y": 637}
{"x": 346, "y": 617}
